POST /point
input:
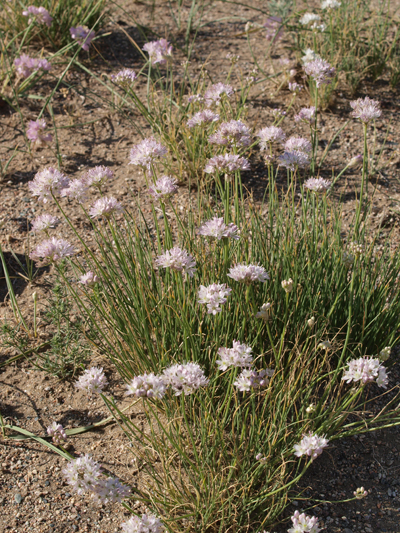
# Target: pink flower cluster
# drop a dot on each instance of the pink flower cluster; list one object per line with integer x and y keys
{"x": 217, "y": 229}
{"x": 203, "y": 117}
{"x": 366, "y": 109}
{"x": 159, "y": 51}
{"x": 311, "y": 445}
{"x": 213, "y": 296}
{"x": 89, "y": 279}
{"x": 177, "y": 259}
{"x": 147, "y": 385}
{"x": 164, "y": 188}
{"x": 304, "y": 524}
{"x": 306, "y": 114}
{"x": 26, "y": 65}
{"x": 253, "y": 379}
{"x": 35, "y": 132}
{"x": 226, "y": 164}
{"x": 44, "y": 222}
{"x": 185, "y": 378}
{"x": 146, "y": 153}
{"x": 83, "y": 36}
{"x": 238, "y": 356}
{"x": 248, "y": 273}
{"x": 270, "y": 135}
{"x": 39, "y": 15}
{"x": 124, "y": 77}
{"x": 366, "y": 369}
{"x": 214, "y": 95}
{"x": 51, "y": 251}
{"x": 318, "y": 185}
{"x": 57, "y": 432}
{"x": 320, "y": 70}
{"x": 232, "y": 133}
{"x": 148, "y": 523}
{"x": 106, "y": 207}
{"x": 92, "y": 380}
{"x": 47, "y": 182}
{"x": 84, "y": 475}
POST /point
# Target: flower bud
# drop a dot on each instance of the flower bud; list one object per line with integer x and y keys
{"x": 311, "y": 322}
{"x": 355, "y": 162}
{"x": 360, "y": 493}
{"x": 385, "y": 353}
{"x": 287, "y": 285}
{"x": 325, "y": 345}
{"x": 264, "y": 311}
{"x": 34, "y": 296}
{"x": 310, "y": 408}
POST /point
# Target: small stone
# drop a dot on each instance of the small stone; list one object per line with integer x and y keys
{"x": 347, "y": 530}
{"x": 18, "y": 498}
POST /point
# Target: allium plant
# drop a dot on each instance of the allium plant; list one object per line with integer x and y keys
{"x": 57, "y": 433}
{"x": 177, "y": 259}
{"x": 83, "y": 36}
{"x": 147, "y": 153}
{"x": 226, "y": 164}
{"x": 44, "y": 222}
{"x": 248, "y": 273}
{"x": 125, "y": 78}
{"x": 160, "y": 52}
{"x": 213, "y": 296}
{"x": 35, "y": 132}
{"x": 105, "y": 207}
{"x": 51, "y": 251}
{"x": 92, "y": 380}
{"x": 89, "y": 279}
{"x": 98, "y": 177}
{"x": 217, "y": 229}
{"x": 234, "y": 133}
{"x": 147, "y": 523}
{"x": 311, "y": 445}
{"x": 40, "y": 15}
{"x": 164, "y": 188}
{"x": 240, "y": 355}
{"x": 48, "y": 182}
{"x": 215, "y": 93}
{"x": 26, "y": 65}
{"x": 76, "y": 190}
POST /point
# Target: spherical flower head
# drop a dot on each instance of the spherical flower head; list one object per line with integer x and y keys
{"x": 318, "y": 185}
{"x": 47, "y": 182}
{"x": 330, "y": 4}
{"x": 270, "y": 135}
{"x": 294, "y": 160}
{"x": 366, "y": 109}
{"x": 226, "y": 164}
{"x": 57, "y": 432}
{"x": 192, "y": 99}
{"x": 295, "y": 87}
{"x": 51, "y": 251}
{"x": 311, "y": 322}
{"x": 106, "y": 207}
{"x": 202, "y": 117}
{"x": 164, "y": 188}
{"x": 89, "y": 279}
{"x": 264, "y": 311}
{"x": 237, "y": 356}
{"x": 320, "y": 71}
{"x": 82, "y": 474}
{"x": 44, "y": 222}
{"x": 311, "y": 445}
{"x": 217, "y": 229}
{"x": 360, "y": 493}
{"x": 146, "y": 153}
{"x": 35, "y": 132}
{"x": 26, "y": 65}
{"x": 213, "y": 296}
{"x": 366, "y": 369}
{"x": 109, "y": 490}
{"x": 185, "y": 378}
{"x": 216, "y": 92}
{"x": 309, "y": 17}
{"x": 307, "y": 115}
{"x": 309, "y": 55}
{"x": 146, "y": 524}
{"x": 92, "y": 380}
{"x": 83, "y": 36}
{"x": 125, "y": 78}
{"x": 233, "y": 133}
{"x": 274, "y": 28}
{"x": 147, "y": 385}
{"x": 98, "y": 176}
{"x": 356, "y": 248}
{"x": 298, "y": 144}
{"x": 177, "y": 259}
{"x": 304, "y": 524}
{"x": 287, "y": 285}
{"x": 76, "y": 190}
{"x": 385, "y": 353}
{"x": 38, "y": 14}
{"x": 248, "y": 273}
{"x": 159, "y": 51}
{"x": 253, "y": 379}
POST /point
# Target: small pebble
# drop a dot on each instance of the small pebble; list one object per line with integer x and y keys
{"x": 18, "y": 498}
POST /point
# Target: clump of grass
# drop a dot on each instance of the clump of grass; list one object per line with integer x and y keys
{"x": 66, "y": 14}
